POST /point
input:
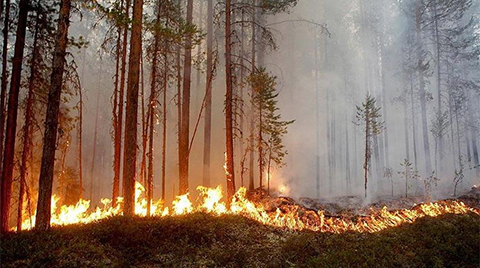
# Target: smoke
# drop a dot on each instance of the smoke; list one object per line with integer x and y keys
{"x": 366, "y": 42}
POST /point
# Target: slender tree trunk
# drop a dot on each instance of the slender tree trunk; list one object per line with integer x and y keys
{"x": 347, "y": 155}
{"x": 384, "y": 101}
{"x": 94, "y": 150}
{"x": 414, "y": 126}
{"x": 164, "y": 121}
{"x": 121, "y": 99}
{"x": 185, "y": 134}
{"x": 260, "y": 145}
{"x": 199, "y": 51}
{"x": 476, "y": 159}
{"x": 208, "y": 102}
{"x": 439, "y": 79}
{"x": 4, "y": 77}
{"x": 80, "y": 124}
{"x": 367, "y": 153}
{"x": 151, "y": 110}
{"x": 241, "y": 98}
{"x": 229, "y": 104}
{"x": 131, "y": 112}
{"x": 423, "y": 101}
{"x": 8, "y": 157}
{"x": 179, "y": 104}
{"x": 51, "y": 122}
{"x": 317, "y": 120}
{"x": 405, "y": 125}
{"x": 27, "y": 129}
{"x": 251, "y": 182}
{"x": 145, "y": 130}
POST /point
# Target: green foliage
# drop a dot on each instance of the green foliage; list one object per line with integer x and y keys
{"x": 201, "y": 240}
{"x": 368, "y": 114}
{"x": 269, "y": 121}
{"x": 277, "y": 6}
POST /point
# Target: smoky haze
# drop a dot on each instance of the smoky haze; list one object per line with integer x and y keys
{"x": 322, "y": 75}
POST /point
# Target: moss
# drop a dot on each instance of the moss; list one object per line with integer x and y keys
{"x": 200, "y": 240}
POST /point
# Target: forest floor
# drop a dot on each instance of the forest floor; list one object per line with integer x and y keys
{"x": 201, "y": 240}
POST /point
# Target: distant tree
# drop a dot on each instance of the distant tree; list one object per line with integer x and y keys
{"x": 271, "y": 128}
{"x": 428, "y": 183}
{"x": 368, "y": 115}
{"x": 439, "y": 128}
{"x": 388, "y": 174}
{"x": 459, "y": 175}
{"x": 408, "y": 174}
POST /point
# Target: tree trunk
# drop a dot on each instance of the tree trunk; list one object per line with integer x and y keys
{"x": 131, "y": 112}
{"x": 51, "y": 122}
{"x": 229, "y": 104}
{"x": 8, "y": 157}
{"x": 208, "y": 102}
{"x": 317, "y": 119}
{"x": 4, "y": 77}
{"x": 94, "y": 150}
{"x": 414, "y": 126}
{"x": 251, "y": 182}
{"x": 423, "y": 101}
{"x": 367, "y": 153}
{"x": 384, "y": 100}
{"x": 121, "y": 99}
{"x": 164, "y": 121}
{"x": 439, "y": 79}
{"x": 184, "y": 134}
{"x": 151, "y": 111}
{"x": 27, "y": 129}
{"x": 241, "y": 148}
{"x": 145, "y": 129}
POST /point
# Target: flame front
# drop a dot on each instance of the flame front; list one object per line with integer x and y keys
{"x": 292, "y": 217}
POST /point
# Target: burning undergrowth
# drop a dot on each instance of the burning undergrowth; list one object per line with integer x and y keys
{"x": 281, "y": 212}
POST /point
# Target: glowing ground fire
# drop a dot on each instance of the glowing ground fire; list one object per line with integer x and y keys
{"x": 291, "y": 217}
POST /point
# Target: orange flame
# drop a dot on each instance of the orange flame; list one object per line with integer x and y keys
{"x": 291, "y": 217}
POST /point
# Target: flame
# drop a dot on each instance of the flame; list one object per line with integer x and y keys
{"x": 289, "y": 216}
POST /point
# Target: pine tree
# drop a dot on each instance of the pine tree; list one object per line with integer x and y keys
{"x": 270, "y": 126}
{"x": 369, "y": 115}
{"x": 51, "y": 123}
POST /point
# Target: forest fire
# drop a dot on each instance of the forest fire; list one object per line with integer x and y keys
{"x": 290, "y": 217}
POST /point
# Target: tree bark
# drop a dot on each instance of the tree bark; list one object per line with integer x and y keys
{"x": 27, "y": 129}
{"x": 251, "y": 182}
{"x": 423, "y": 101}
{"x": 130, "y": 152}
{"x": 184, "y": 135}
{"x": 51, "y": 122}
{"x": 4, "y": 77}
{"x": 229, "y": 105}
{"x": 8, "y": 157}
{"x": 208, "y": 102}
{"x": 119, "y": 127}
{"x": 95, "y": 132}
